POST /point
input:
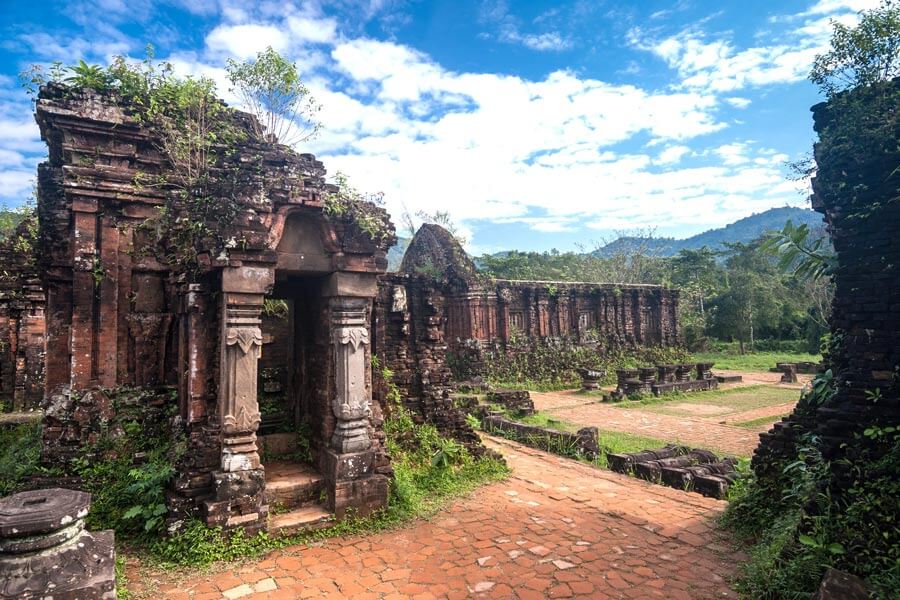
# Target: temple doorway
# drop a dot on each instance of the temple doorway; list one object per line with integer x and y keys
{"x": 291, "y": 392}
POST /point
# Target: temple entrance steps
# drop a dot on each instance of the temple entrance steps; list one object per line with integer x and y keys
{"x": 291, "y": 485}
{"x": 295, "y": 495}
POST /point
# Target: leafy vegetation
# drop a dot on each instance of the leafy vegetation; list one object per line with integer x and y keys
{"x": 271, "y": 88}
{"x": 797, "y": 529}
{"x": 861, "y": 55}
{"x": 364, "y": 210}
{"x": 20, "y": 455}
{"x": 552, "y": 364}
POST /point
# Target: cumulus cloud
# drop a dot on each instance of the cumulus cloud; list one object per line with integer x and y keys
{"x": 671, "y": 155}
{"x": 717, "y": 65}
{"x": 577, "y": 151}
{"x": 246, "y": 40}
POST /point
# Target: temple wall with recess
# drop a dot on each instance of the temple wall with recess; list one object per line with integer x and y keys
{"x": 121, "y": 314}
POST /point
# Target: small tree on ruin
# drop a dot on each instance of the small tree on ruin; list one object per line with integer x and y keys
{"x": 861, "y": 55}
{"x": 270, "y": 87}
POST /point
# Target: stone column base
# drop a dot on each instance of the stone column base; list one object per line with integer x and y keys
{"x": 238, "y": 500}
{"x": 351, "y": 483}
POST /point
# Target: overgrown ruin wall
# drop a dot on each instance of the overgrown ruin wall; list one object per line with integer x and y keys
{"x": 439, "y": 303}
{"x": 21, "y": 321}
{"x": 856, "y": 189}
{"x": 121, "y": 312}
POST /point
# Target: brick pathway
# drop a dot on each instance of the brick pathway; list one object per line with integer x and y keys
{"x": 695, "y": 431}
{"x": 555, "y": 529}
{"x": 775, "y": 412}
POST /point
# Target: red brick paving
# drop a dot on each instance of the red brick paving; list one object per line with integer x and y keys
{"x": 555, "y": 529}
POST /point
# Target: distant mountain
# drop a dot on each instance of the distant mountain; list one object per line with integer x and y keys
{"x": 744, "y": 230}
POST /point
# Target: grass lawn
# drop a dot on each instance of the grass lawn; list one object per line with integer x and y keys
{"x": 757, "y": 423}
{"x": 611, "y": 442}
{"x": 715, "y": 403}
{"x": 758, "y": 361}
{"x": 541, "y": 419}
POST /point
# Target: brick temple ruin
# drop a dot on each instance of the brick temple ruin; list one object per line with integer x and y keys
{"x": 277, "y": 330}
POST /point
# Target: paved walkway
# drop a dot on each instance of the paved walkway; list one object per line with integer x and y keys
{"x": 695, "y": 431}
{"x": 775, "y": 412}
{"x": 555, "y": 529}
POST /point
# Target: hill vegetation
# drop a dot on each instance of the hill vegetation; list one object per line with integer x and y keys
{"x": 743, "y": 230}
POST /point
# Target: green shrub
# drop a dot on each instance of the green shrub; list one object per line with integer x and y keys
{"x": 553, "y": 363}
{"x": 20, "y": 455}
{"x": 797, "y": 528}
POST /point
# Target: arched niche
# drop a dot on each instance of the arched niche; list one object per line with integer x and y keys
{"x": 302, "y": 249}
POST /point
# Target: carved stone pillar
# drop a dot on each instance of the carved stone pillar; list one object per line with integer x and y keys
{"x": 348, "y": 462}
{"x": 239, "y": 486}
{"x": 350, "y": 335}
{"x": 238, "y": 406}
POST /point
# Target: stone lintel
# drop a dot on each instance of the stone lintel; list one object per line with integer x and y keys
{"x": 248, "y": 279}
{"x": 359, "y": 285}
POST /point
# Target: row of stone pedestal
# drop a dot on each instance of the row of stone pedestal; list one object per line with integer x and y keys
{"x": 664, "y": 378}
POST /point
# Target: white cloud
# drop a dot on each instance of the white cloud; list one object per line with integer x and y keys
{"x": 672, "y": 155}
{"x": 827, "y": 7}
{"x": 575, "y": 150}
{"x": 496, "y": 14}
{"x": 738, "y": 102}
{"x": 733, "y": 154}
{"x": 314, "y": 30}
{"x": 536, "y": 41}
{"x": 718, "y": 66}
{"x": 245, "y": 41}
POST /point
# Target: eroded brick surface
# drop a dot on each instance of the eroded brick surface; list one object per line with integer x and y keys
{"x": 556, "y": 528}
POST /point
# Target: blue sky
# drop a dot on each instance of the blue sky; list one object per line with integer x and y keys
{"x": 536, "y": 125}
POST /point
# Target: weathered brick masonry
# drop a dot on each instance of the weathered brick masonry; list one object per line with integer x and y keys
{"x": 856, "y": 189}
{"x": 21, "y": 321}
{"x": 117, "y": 316}
{"x": 438, "y": 302}
{"x": 287, "y": 311}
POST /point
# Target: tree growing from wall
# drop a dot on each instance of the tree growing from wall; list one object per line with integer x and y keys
{"x": 271, "y": 88}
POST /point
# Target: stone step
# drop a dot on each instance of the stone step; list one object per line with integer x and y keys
{"x": 292, "y": 485}
{"x": 307, "y": 518}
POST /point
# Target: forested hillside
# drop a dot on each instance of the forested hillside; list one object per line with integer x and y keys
{"x": 744, "y": 230}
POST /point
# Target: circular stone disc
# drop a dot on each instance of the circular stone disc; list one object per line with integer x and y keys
{"x": 41, "y": 511}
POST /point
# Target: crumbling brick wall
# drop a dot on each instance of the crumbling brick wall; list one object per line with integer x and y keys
{"x": 439, "y": 302}
{"x": 410, "y": 316}
{"x": 21, "y": 321}
{"x": 119, "y": 313}
{"x": 856, "y": 190}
